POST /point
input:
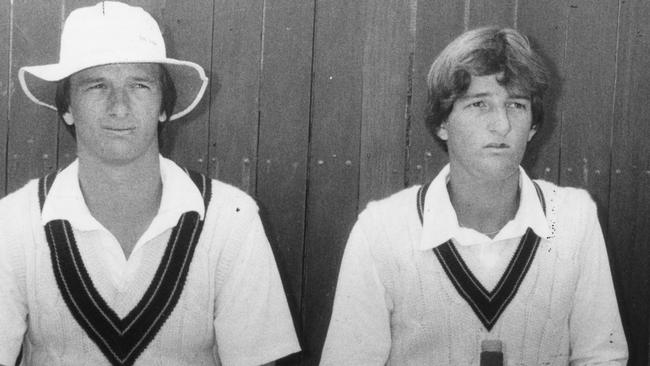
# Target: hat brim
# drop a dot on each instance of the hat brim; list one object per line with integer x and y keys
{"x": 39, "y": 82}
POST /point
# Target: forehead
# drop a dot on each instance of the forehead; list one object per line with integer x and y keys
{"x": 493, "y": 85}
{"x": 121, "y": 71}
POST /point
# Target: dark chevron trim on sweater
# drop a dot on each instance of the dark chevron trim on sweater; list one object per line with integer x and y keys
{"x": 44, "y": 185}
{"x": 123, "y": 340}
{"x": 487, "y": 305}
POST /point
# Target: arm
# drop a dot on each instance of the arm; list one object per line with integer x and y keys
{"x": 253, "y": 325}
{"x": 595, "y": 324}
{"x": 359, "y": 329}
{"x": 13, "y": 307}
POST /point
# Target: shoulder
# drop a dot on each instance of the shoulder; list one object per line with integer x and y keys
{"x": 571, "y": 211}
{"x": 388, "y": 224}
{"x": 395, "y": 206}
{"x": 19, "y": 213}
{"x": 567, "y": 200}
{"x": 17, "y": 204}
{"x": 227, "y": 196}
{"x": 230, "y": 208}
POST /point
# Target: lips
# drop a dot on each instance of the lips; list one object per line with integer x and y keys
{"x": 497, "y": 145}
{"x": 119, "y": 130}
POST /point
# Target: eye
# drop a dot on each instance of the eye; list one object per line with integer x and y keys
{"x": 518, "y": 105}
{"x": 96, "y": 86}
{"x": 141, "y": 86}
{"x": 478, "y": 104}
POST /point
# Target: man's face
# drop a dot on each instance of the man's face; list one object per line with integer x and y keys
{"x": 487, "y": 130}
{"x": 116, "y": 109}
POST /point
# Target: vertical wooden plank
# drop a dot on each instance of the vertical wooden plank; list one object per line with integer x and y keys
{"x": 589, "y": 66}
{"x": 438, "y": 23}
{"x": 234, "y": 110}
{"x": 284, "y": 134}
{"x": 492, "y": 12}
{"x": 333, "y": 173}
{"x": 548, "y": 36}
{"x": 385, "y": 87}
{"x": 32, "y": 134}
{"x": 186, "y": 140}
{"x": 6, "y": 12}
{"x": 629, "y": 211}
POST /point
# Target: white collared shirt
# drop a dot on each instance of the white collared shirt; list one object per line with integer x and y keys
{"x": 65, "y": 202}
{"x": 486, "y": 257}
{"x": 441, "y": 222}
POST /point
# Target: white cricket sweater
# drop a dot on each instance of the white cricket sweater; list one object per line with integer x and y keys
{"x": 395, "y": 304}
{"x": 232, "y": 309}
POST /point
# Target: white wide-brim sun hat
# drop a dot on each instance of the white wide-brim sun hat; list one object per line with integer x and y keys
{"x": 107, "y": 33}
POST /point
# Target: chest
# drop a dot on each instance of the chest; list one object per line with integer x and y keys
{"x": 189, "y": 326}
{"x": 431, "y": 317}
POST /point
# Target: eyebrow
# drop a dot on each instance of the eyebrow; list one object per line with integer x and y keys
{"x": 486, "y": 94}
{"x": 88, "y": 80}
{"x": 97, "y": 79}
{"x": 144, "y": 78}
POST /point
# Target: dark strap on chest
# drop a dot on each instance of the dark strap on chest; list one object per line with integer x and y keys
{"x": 122, "y": 340}
{"x": 487, "y": 305}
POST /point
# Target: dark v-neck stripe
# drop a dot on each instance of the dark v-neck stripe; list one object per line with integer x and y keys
{"x": 487, "y": 305}
{"x": 123, "y": 340}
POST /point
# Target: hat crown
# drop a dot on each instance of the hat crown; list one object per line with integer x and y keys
{"x": 111, "y": 30}
{"x": 107, "y": 33}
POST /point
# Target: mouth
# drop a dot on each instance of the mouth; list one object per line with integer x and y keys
{"x": 119, "y": 130}
{"x": 495, "y": 145}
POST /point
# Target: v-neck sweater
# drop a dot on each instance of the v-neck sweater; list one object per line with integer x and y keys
{"x": 396, "y": 305}
{"x": 232, "y": 309}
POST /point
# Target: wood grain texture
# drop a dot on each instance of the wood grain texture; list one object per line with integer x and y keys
{"x": 629, "y": 195}
{"x": 186, "y": 28}
{"x": 545, "y": 23}
{"x": 285, "y": 99}
{"x": 32, "y": 134}
{"x": 333, "y": 174}
{"x": 492, "y": 12}
{"x": 5, "y": 87}
{"x": 589, "y": 74}
{"x": 235, "y": 88}
{"x": 385, "y": 80}
{"x": 437, "y": 24}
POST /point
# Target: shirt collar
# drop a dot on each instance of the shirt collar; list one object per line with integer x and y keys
{"x": 65, "y": 200}
{"x": 440, "y": 222}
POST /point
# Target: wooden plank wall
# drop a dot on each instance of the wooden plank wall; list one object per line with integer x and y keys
{"x": 316, "y": 107}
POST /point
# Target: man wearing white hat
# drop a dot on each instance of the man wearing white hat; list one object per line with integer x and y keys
{"x": 123, "y": 257}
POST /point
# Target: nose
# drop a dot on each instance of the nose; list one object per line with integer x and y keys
{"x": 118, "y": 102}
{"x": 500, "y": 121}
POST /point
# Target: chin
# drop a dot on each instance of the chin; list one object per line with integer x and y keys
{"x": 499, "y": 170}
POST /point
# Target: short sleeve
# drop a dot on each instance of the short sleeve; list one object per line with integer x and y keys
{"x": 597, "y": 335}
{"x": 13, "y": 307}
{"x": 253, "y": 324}
{"x": 359, "y": 329}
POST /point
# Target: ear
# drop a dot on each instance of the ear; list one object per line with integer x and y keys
{"x": 442, "y": 132}
{"x": 162, "y": 117}
{"x": 68, "y": 119}
{"x": 532, "y": 132}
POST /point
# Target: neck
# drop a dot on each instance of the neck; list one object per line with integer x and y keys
{"x": 120, "y": 185}
{"x": 484, "y": 205}
{"x": 123, "y": 198}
